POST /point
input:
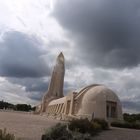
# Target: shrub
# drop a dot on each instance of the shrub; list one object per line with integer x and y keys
{"x": 132, "y": 125}
{"x": 6, "y": 136}
{"x": 85, "y": 126}
{"x": 102, "y": 123}
{"x": 96, "y": 126}
{"x": 80, "y": 136}
{"x": 131, "y": 117}
{"x": 79, "y": 129}
{"x": 81, "y": 125}
{"x": 59, "y": 131}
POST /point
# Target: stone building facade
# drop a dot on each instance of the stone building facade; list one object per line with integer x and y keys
{"x": 93, "y": 101}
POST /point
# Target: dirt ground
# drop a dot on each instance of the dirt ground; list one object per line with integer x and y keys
{"x": 25, "y": 126}
{"x": 31, "y": 127}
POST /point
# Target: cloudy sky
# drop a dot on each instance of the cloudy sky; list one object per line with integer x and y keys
{"x": 99, "y": 38}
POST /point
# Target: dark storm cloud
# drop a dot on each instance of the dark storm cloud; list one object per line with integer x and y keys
{"x": 31, "y": 84}
{"x": 35, "y": 87}
{"x": 36, "y": 96}
{"x": 20, "y": 56}
{"x": 106, "y": 32}
{"x": 131, "y": 105}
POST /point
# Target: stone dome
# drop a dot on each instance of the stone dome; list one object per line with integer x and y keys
{"x": 96, "y": 99}
{"x": 99, "y": 92}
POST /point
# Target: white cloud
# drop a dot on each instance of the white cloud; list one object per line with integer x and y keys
{"x": 13, "y": 93}
{"x": 34, "y": 17}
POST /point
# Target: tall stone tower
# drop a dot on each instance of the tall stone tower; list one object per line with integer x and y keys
{"x": 55, "y": 88}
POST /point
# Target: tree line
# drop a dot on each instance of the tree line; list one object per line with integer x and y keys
{"x": 131, "y": 117}
{"x": 17, "y": 107}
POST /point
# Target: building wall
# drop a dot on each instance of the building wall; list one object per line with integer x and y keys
{"x": 90, "y": 104}
{"x": 94, "y": 103}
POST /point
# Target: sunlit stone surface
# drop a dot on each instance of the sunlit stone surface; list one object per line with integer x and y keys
{"x": 93, "y": 101}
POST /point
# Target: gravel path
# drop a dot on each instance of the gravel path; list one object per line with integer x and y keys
{"x": 25, "y": 126}
{"x": 31, "y": 127}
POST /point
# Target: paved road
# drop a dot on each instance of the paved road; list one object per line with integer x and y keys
{"x": 31, "y": 127}
{"x": 119, "y": 134}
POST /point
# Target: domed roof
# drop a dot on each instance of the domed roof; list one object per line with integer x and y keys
{"x": 100, "y": 92}
{"x": 87, "y": 87}
{"x": 95, "y": 100}
{"x": 95, "y": 90}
